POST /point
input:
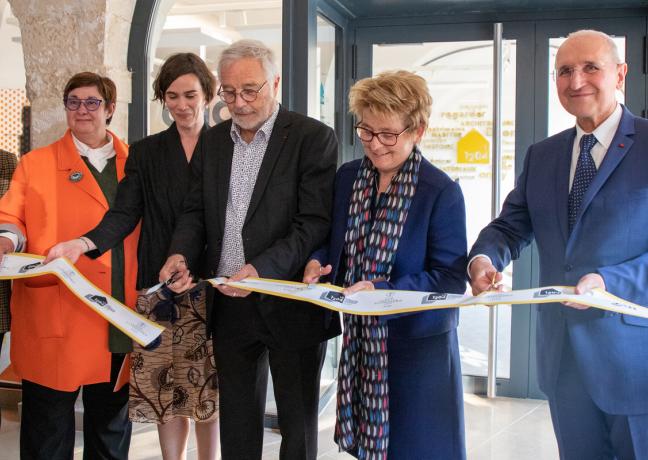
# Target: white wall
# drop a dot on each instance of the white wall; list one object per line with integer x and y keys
{"x": 13, "y": 66}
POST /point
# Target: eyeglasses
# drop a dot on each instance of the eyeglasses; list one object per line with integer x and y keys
{"x": 568, "y": 72}
{"x": 248, "y": 95}
{"x": 73, "y": 103}
{"x": 386, "y": 139}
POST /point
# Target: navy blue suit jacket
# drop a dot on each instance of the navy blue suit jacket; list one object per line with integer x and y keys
{"x": 431, "y": 253}
{"x": 610, "y": 237}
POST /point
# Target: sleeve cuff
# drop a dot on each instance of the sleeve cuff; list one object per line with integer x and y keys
{"x": 13, "y": 238}
{"x": 475, "y": 257}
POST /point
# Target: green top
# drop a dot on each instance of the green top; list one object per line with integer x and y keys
{"x": 118, "y": 342}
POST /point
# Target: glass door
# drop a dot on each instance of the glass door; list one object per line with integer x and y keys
{"x": 323, "y": 108}
{"x": 458, "y": 140}
{"x": 457, "y": 62}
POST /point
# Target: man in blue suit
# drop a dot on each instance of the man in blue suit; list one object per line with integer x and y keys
{"x": 584, "y": 199}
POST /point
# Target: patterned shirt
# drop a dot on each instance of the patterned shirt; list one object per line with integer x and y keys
{"x": 246, "y": 162}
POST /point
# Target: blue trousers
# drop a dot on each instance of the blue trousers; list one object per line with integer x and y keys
{"x": 583, "y": 430}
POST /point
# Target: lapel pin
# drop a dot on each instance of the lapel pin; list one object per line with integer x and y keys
{"x": 76, "y": 176}
{"x": 621, "y": 145}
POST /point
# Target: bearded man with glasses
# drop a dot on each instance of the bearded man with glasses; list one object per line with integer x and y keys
{"x": 259, "y": 206}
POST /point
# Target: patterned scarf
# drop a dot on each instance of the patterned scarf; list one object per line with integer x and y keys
{"x": 362, "y": 425}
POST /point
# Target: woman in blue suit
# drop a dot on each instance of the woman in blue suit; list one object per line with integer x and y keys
{"x": 398, "y": 223}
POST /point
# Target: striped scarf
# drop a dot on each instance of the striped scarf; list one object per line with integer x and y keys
{"x": 362, "y": 425}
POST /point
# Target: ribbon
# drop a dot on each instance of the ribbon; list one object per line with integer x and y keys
{"x": 389, "y": 302}
{"x": 134, "y": 325}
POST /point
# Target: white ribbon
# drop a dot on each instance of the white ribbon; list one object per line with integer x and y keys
{"x": 378, "y": 302}
{"x": 134, "y": 325}
{"x": 386, "y": 302}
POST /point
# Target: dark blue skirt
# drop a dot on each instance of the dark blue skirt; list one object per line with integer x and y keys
{"x": 426, "y": 418}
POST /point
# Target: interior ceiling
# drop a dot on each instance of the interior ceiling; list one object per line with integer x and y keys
{"x": 378, "y": 8}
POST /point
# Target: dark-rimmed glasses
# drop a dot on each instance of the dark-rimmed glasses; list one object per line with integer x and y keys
{"x": 247, "y": 94}
{"x": 73, "y": 103}
{"x": 385, "y": 138}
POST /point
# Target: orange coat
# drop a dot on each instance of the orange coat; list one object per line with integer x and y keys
{"x": 56, "y": 340}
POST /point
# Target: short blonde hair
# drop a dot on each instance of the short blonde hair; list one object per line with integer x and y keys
{"x": 397, "y": 92}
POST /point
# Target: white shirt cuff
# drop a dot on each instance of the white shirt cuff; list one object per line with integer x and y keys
{"x": 475, "y": 257}
{"x": 12, "y": 237}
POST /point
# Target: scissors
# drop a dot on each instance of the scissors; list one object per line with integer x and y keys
{"x": 172, "y": 279}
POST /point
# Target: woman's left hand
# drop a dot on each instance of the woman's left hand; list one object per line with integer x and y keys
{"x": 359, "y": 286}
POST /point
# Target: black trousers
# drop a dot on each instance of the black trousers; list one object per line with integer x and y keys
{"x": 244, "y": 351}
{"x": 47, "y": 426}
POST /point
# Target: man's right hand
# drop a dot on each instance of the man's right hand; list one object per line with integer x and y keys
{"x": 6, "y": 246}
{"x": 175, "y": 274}
{"x": 484, "y": 276}
{"x": 314, "y": 270}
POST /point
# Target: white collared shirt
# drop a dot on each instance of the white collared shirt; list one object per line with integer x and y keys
{"x": 604, "y": 134}
{"x": 99, "y": 157}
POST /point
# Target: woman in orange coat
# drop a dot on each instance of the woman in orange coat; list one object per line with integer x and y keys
{"x": 58, "y": 344}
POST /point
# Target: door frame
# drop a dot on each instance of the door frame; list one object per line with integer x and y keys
{"x": 531, "y": 109}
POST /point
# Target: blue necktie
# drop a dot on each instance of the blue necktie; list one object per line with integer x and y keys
{"x": 585, "y": 172}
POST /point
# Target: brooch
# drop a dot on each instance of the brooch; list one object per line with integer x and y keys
{"x": 76, "y": 176}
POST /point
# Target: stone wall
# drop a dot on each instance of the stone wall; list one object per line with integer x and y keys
{"x": 63, "y": 37}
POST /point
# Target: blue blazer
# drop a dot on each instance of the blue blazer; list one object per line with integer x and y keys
{"x": 610, "y": 237}
{"x": 431, "y": 253}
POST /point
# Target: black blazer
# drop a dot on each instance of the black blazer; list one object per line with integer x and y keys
{"x": 288, "y": 217}
{"x": 155, "y": 184}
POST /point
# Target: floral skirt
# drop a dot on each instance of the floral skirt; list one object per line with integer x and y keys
{"x": 176, "y": 374}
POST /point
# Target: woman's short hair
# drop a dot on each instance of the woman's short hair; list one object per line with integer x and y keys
{"x": 397, "y": 92}
{"x": 180, "y": 64}
{"x": 104, "y": 85}
{"x": 248, "y": 48}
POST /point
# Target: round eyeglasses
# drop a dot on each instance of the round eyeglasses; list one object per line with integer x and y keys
{"x": 73, "y": 103}
{"x": 247, "y": 94}
{"x": 386, "y": 139}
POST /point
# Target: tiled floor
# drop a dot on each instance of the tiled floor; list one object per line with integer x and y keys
{"x": 500, "y": 429}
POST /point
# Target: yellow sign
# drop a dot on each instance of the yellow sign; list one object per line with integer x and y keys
{"x": 473, "y": 148}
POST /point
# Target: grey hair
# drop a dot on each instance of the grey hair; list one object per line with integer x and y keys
{"x": 614, "y": 50}
{"x": 248, "y": 48}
